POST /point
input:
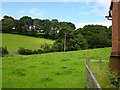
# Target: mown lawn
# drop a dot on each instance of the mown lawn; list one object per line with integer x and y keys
{"x": 14, "y": 41}
{"x": 52, "y": 70}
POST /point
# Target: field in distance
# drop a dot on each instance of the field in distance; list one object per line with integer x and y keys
{"x": 13, "y": 42}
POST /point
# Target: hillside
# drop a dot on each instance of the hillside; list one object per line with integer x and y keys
{"x": 13, "y": 41}
{"x": 51, "y": 70}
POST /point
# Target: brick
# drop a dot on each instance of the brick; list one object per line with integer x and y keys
{"x": 115, "y": 54}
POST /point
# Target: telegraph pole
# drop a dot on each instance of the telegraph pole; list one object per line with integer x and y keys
{"x": 65, "y": 42}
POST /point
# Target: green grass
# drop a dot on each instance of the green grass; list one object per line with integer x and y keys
{"x": 52, "y": 70}
{"x": 0, "y": 73}
{"x": 102, "y": 74}
{"x": 13, "y": 42}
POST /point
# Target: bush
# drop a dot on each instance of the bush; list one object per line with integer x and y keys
{"x": 114, "y": 78}
{"x": 39, "y": 51}
{"x": 58, "y": 46}
{"x": 3, "y": 51}
{"x": 46, "y": 48}
{"x": 24, "y": 51}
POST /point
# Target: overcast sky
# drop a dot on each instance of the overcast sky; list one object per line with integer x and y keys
{"x": 78, "y": 12}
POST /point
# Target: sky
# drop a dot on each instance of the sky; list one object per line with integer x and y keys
{"x": 78, "y": 12}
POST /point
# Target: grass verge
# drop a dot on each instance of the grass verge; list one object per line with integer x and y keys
{"x": 101, "y": 71}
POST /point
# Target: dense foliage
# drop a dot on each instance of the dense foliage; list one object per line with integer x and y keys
{"x": 45, "y": 48}
{"x": 97, "y": 36}
{"x": 65, "y": 34}
{"x": 24, "y": 51}
{"x": 3, "y": 51}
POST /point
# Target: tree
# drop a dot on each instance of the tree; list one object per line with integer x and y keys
{"x": 58, "y": 45}
{"x": 109, "y": 32}
{"x": 7, "y": 24}
{"x": 96, "y": 35}
{"x": 46, "y": 27}
{"x": 66, "y": 27}
{"x": 17, "y": 26}
{"x": 55, "y": 28}
{"x": 0, "y": 26}
{"x": 26, "y": 23}
{"x": 76, "y": 42}
{"x": 65, "y": 33}
{"x": 37, "y": 24}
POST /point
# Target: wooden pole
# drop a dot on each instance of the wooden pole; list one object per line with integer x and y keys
{"x": 65, "y": 42}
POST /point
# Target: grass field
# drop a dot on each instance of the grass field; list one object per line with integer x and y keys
{"x": 102, "y": 74}
{"x": 52, "y": 70}
{"x": 0, "y": 73}
{"x": 13, "y": 42}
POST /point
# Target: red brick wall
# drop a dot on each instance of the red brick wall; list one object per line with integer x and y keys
{"x": 116, "y": 27}
{"x": 115, "y": 55}
{"x": 119, "y": 27}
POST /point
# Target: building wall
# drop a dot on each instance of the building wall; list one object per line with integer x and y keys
{"x": 119, "y": 27}
{"x": 115, "y": 55}
{"x": 116, "y": 28}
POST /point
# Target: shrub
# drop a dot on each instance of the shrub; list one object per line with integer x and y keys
{"x": 114, "y": 78}
{"x": 46, "y": 48}
{"x": 58, "y": 45}
{"x": 24, "y": 51}
{"x": 3, "y": 51}
{"x": 38, "y": 51}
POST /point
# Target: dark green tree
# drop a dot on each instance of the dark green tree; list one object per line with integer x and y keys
{"x": 97, "y": 36}
{"x": 58, "y": 45}
{"x": 7, "y": 24}
{"x": 46, "y": 27}
{"x": 26, "y": 23}
{"x": 37, "y": 25}
{"x": 17, "y": 26}
{"x": 55, "y": 28}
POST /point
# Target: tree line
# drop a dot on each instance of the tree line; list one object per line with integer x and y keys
{"x": 65, "y": 34}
